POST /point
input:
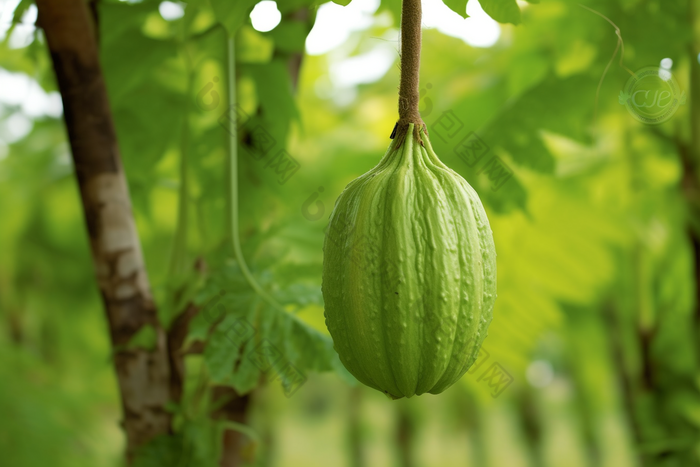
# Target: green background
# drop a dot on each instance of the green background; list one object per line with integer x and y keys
{"x": 596, "y": 319}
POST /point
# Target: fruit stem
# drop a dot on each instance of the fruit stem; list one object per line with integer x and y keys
{"x": 410, "y": 71}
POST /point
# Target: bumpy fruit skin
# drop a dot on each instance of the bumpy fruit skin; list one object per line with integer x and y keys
{"x": 409, "y": 273}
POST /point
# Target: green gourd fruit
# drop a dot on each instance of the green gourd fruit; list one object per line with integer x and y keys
{"x": 409, "y": 273}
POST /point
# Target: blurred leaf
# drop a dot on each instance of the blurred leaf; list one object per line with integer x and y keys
{"x": 458, "y": 6}
{"x": 394, "y": 7}
{"x": 131, "y": 60}
{"x": 232, "y": 14}
{"x": 164, "y": 450}
{"x": 503, "y": 11}
{"x": 20, "y": 10}
{"x": 545, "y": 106}
{"x": 301, "y": 295}
{"x": 289, "y": 36}
{"x": 250, "y": 327}
{"x": 252, "y": 46}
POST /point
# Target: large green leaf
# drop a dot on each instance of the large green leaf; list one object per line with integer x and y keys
{"x": 20, "y": 10}
{"x": 394, "y": 7}
{"x": 289, "y": 36}
{"x": 164, "y": 450}
{"x": 458, "y": 6}
{"x": 232, "y": 14}
{"x": 503, "y": 11}
{"x": 546, "y": 106}
{"x": 252, "y": 337}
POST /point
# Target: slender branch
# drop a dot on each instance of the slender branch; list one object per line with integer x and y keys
{"x": 236, "y": 446}
{"x": 409, "y": 93}
{"x": 405, "y": 435}
{"x": 233, "y": 184}
{"x": 620, "y": 46}
{"x": 237, "y": 407}
{"x": 304, "y": 17}
{"x": 143, "y": 374}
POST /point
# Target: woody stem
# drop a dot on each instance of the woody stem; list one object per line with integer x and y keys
{"x": 410, "y": 68}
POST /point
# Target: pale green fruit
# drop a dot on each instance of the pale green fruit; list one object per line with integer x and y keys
{"x": 409, "y": 273}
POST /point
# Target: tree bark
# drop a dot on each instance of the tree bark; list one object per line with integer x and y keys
{"x": 143, "y": 375}
{"x": 237, "y": 448}
{"x": 306, "y": 17}
{"x": 405, "y": 435}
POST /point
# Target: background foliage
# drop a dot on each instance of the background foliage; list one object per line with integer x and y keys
{"x": 596, "y": 318}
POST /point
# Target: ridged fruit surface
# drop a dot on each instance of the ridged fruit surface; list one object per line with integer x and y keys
{"x": 409, "y": 273}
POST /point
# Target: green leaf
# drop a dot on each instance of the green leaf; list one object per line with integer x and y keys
{"x": 274, "y": 90}
{"x": 394, "y": 7}
{"x": 193, "y": 445}
{"x": 253, "y": 47}
{"x": 232, "y": 14}
{"x": 301, "y": 294}
{"x": 164, "y": 450}
{"x": 517, "y": 132}
{"x": 289, "y": 36}
{"x": 20, "y": 10}
{"x": 230, "y": 336}
{"x": 503, "y": 11}
{"x": 277, "y": 105}
{"x": 254, "y": 337}
{"x": 342, "y": 2}
{"x": 129, "y": 58}
{"x": 130, "y": 62}
{"x": 246, "y": 375}
{"x": 124, "y": 19}
{"x": 458, "y": 6}
{"x": 17, "y": 17}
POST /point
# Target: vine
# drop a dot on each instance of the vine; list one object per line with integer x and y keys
{"x": 233, "y": 181}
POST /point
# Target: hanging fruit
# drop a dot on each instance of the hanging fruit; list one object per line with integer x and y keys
{"x": 409, "y": 269}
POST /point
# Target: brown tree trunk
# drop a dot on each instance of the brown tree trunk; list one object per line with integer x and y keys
{"x": 143, "y": 375}
{"x": 237, "y": 448}
{"x": 306, "y": 17}
{"x": 405, "y": 435}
